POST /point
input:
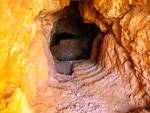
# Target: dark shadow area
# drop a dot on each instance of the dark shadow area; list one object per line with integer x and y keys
{"x": 61, "y": 36}
{"x": 72, "y": 40}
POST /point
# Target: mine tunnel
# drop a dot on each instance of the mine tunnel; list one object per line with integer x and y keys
{"x": 72, "y": 39}
{"x": 75, "y": 56}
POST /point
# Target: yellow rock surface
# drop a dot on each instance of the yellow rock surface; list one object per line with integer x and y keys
{"x": 17, "y": 32}
{"x": 26, "y": 62}
{"x": 135, "y": 27}
{"x": 52, "y": 6}
{"x": 112, "y": 8}
{"x": 90, "y": 15}
{"x": 24, "y": 58}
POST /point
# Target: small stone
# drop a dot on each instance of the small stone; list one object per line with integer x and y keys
{"x": 78, "y": 94}
{"x": 68, "y": 49}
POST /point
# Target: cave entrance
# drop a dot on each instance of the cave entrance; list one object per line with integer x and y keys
{"x": 72, "y": 39}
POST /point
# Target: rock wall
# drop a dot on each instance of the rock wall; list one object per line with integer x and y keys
{"x": 115, "y": 78}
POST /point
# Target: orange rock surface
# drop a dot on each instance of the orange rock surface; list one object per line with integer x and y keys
{"x": 115, "y": 78}
{"x": 22, "y": 54}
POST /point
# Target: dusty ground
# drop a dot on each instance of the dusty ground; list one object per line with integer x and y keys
{"x": 116, "y": 77}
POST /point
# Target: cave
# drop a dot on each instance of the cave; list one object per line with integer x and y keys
{"x": 75, "y": 56}
{"x": 72, "y": 39}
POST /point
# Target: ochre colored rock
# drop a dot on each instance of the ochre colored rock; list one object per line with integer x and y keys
{"x": 22, "y": 55}
{"x": 90, "y": 16}
{"x": 115, "y": 78}
{"x": 112, "y": 8}
{"x": 135, "y": 39}
{"x": 68, "y": 49}
{"x": 52, "y": 6}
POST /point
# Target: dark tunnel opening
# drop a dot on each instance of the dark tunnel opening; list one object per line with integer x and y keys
{"x": 72, "y": 40}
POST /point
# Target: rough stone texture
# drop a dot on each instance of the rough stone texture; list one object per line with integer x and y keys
{"x": 64, "y": 67}
{"x": 114, "y": 80}
{"x": 25, "y": 61}
{"x": 141, "y": 111}
{"x": 68, "y": 49}
{"x": 52, "y": 6}
{"x": 135, "y": 39}
{"x": 91, "y": 16}
{"x": 109, "y": 81}
{"x": 112, "y": 8}
{"x": 72, "y": 49}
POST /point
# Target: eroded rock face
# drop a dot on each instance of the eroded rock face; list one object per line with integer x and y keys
{"x": 68, "y": 49}
{"x": 115, "y": 79}
{"x": 72, "y": 49}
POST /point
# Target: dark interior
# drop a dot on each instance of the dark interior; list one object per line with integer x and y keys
{"x": 73, "y": 38}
